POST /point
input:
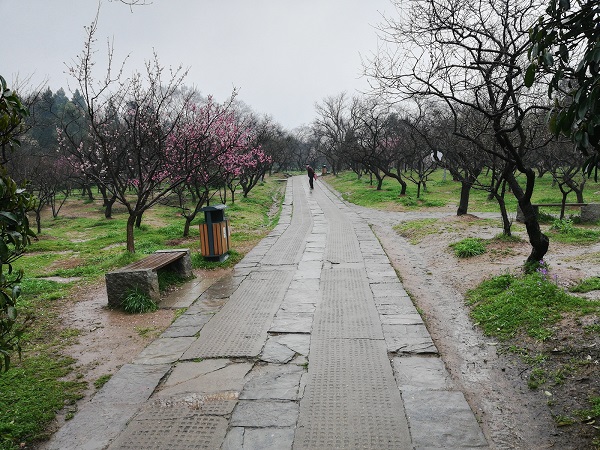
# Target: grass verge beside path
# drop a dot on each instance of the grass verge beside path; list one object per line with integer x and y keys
{"x": 77, "y": 249}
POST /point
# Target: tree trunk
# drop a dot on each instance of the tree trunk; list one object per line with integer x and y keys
{"x": 138, "y": 220}
{"x": 562, "y": 206}
{"x": 130, "y": 238}
{"x": 38, "y": 220}
{"x": 538, "y": 240}
{"x": 465, "y": 192}
{"x": 108, "y": 206}
{"x": 186, "y": 226}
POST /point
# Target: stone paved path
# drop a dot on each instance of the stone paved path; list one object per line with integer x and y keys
{"x": 312, "y": 343}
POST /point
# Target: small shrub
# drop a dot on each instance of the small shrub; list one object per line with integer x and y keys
{"x": 468, "y": 247}
{"x": 563, "y": 226}
{"x": 540, "y": 267}
{"x": 136, "y": 302}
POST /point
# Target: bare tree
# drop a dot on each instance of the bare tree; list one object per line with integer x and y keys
{"x": 334, "y": 129}
{"x": 470, "y": 54}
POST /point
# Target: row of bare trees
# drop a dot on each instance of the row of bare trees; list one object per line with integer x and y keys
{"x": 449, "y": 91}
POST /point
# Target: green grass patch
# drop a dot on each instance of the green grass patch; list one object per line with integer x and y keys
{"x": 137, "y": 302}
{"x": 31, "y": 393}
{"x": 566, "y": 232}
{"x": 512, "y": 238}
{"x": 199, "y": 262}
{"x": 416, "y": 230}
{"x": 468, "y": 247}
{"x": 101, "y": 381}
{"x": 507, "y": 304}
{"x": 593, "y": 412}
{"x": 587, "y": 285}
{"x": 442, "y": 191}
{"x": 168, "y": 278}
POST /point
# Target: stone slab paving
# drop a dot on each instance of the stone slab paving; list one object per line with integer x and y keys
{"x": 103, "y": 418}
{"x": 240, "y": 327}
{"x": 311, "y": 343}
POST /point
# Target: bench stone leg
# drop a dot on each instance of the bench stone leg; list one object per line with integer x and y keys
{"x": 521, "y": 217}
{"x": 183, "y": 266}
{"x": 590, "y": 212}
{"x": 118, "y": 284}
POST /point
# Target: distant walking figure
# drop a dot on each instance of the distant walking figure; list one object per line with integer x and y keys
{"x": 311, "y": 175}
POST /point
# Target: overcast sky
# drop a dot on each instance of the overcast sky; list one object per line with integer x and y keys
{"x": 282, "y": 55}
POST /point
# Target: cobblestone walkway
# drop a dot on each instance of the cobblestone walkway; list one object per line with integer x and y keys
{"x": 312, "y": 343}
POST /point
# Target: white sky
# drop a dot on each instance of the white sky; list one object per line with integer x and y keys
{"x": 282, "y": 55}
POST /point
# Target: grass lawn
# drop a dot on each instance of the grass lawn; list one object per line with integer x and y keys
{"x": 443, "y": 191}
{"x": 80, "y": 246}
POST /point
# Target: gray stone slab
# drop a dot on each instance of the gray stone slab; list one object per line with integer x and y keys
{"x": 268, "y": 438}
{"x": 167, "y": 408}
{"x": 291, "y": 322}
{"x": 207, "y": 304}
{"x": 300, "y": 343}
{"x": 351, "y": 399}
{"x": 408, "y": 339}
{"x": 102, "y": 419}
{"x": 315, "y": 255}
{"x": 208, "y": 376}
{"x": 401, "y": 319}
{"x": 380, "y": 268}
{"x": 283, "y": 348}
{"x": 240, "y": 327}
{"x": 396, "y": 308}
{"x": 197, "y": 319}
{"x": 272, "y": 381}
{"x": 234, "y": 440}
{"x": 299, "y": 306}
{"x": 264, "y": 413}
{"x": 164, "y": 350}
{"x": 387, "y": 289}
{"x": 276, "y": 353}
{"x": 377, "y": 278}
{"x": 185, "y": 295}
{"x": 347, "y": 309}
{"x": 190, "y": 331}
{"x": 421, "y": 372}
{"x": 375, "y": 259}
{"x": 308, "y": 269}
{"x": 181, "y": 433}
{"x": 442, "y": 419}
{"x": 401, "y": 300}
{"x": 304, "y": 286}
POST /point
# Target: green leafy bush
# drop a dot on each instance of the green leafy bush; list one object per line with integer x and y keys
{"x": 563, "y": 226}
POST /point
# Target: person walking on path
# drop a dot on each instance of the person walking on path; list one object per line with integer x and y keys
{"x": 311, "y": 175}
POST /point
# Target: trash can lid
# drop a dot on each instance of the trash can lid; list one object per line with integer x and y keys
{"x": 218, "y": 207}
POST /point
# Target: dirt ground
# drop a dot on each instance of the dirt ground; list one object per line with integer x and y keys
{"x": 512, "y": 415}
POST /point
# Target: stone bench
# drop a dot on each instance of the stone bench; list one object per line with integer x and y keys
{"x": 143, "y": 274}
{"x": 590, "y": 212}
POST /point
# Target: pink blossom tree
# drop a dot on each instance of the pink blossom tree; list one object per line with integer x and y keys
{"x": 130, "y": 121}
{"x": 206, "y": 152}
